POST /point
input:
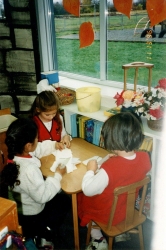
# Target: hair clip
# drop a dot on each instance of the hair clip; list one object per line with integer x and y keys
{"x": 10, "y": 161}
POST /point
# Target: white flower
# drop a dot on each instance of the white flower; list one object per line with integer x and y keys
{"x": 152, "y": 117}
{"x": 155, "y": 105}
{"x": 147, "y": 102}
{"x": 162, "y": 92}
{"x": 127, "y": 104}
{"x": 141, "y": 110}
{"x": 148, "y": 116}
{"x": 159, "y": 95}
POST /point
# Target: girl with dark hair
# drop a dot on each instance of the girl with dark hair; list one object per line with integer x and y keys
{"x": 45, "y": 113}
{"x": 39, "y": 202}
{"x": 122, "y": 136}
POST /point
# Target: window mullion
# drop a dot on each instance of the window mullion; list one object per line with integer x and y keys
{"x": 46, "y": 29}
{"x": 103, "y": 40}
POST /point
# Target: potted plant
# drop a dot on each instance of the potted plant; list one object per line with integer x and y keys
{"x": 149, "y": 104}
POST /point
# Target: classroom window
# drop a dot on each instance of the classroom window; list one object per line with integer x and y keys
{"x": 127, "y": 40}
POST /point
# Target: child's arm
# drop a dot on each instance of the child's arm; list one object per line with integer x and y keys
{"x": 61, "y": 171}
{"x": 92, "y": 183}
{"x": 59, "y": 145}
{"x": 66, "y": 140}
{"x": 92, "y": 165}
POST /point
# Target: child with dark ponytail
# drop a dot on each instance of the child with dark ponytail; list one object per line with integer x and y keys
{"x": 39, "y": 202}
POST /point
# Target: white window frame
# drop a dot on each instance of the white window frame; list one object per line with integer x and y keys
{"x": 48, "y": 54}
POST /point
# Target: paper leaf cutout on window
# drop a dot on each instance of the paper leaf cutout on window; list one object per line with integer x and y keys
{"x": 156, "y": 11}
{"x": 123, "y": 6}
{"x": 86, "y": 34}
{"x": 72, "y": 6}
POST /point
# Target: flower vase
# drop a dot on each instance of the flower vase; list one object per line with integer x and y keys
{"x": 155, "y": 124}
{"x": 129, "y": 109}
{"x": 132, "y": 110}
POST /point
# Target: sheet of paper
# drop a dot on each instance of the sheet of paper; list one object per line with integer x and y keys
{"x": 63, "y": 162}
{"x": 100, "y": 162}
{"x": 97, "y": 158}
{"x": 64, "y": 159}
{"x": 76, "y": 161}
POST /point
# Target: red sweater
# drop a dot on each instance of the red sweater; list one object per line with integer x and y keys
{"x": 44, "y": 134}
{"x": 121, "y": 172}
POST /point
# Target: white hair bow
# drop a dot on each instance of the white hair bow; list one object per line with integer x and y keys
{"x": 44, "y": 85}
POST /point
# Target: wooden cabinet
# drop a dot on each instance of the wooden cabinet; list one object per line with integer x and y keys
{"x": 9, "y": 216}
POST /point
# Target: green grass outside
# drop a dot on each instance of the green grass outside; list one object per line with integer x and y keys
{"x": 70, "y": 24}
{"x": 86, "y": 61}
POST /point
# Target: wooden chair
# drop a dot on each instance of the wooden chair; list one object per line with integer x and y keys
{"x": 134, "y": 218}
{"x": 5, "y": 111}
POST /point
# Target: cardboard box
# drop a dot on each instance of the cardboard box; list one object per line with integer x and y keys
{"x": 51, "y": 76}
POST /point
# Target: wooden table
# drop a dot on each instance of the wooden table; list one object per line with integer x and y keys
{"x": 71, "y": 183}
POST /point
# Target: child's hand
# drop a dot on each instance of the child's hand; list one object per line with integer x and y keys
{"x": 92, "y": 165}
{"x": 66, "y": 140}
{"x": 61, "y": 171}
{"x": 59, "y": 145}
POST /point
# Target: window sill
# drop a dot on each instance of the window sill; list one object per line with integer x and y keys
{"x": 73, "y": 81}
{"x": 107, "y": 92}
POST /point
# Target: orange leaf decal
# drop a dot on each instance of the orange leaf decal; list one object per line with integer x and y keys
{"x": 123, "y": 6}
{"x": 86, "y": 34}
{"x": 156, "y": 11}
{"x": 72, "y": 6}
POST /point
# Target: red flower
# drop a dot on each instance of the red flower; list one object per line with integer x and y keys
{"x": 119, "y": 98}
{"x": 162, "y": 84}
{"x": 157, "y": 113}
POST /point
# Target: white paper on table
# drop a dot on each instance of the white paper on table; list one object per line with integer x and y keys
{"x": 100, "y": 162}
{"x": 76, "y": 161}
{"x": 97, "y": 158}
{"x": 64, "y": 158}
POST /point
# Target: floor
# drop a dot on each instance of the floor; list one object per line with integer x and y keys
{"x": 65, "y": 240}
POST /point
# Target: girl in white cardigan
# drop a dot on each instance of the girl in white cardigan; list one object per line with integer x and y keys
{"x": 39, "y": 202}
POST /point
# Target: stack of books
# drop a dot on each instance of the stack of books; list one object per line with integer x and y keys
{"x": 113, "y": 111}
{"x": 86, "y": 128}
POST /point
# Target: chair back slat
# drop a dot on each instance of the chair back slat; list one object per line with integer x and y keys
{"x": 143, "y": 198}
{"x": 112, "y": 212}
{"x": 130, "y": 207}
{"x": 130, "y": 191}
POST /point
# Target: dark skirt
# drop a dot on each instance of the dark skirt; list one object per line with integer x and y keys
{"x": 49, "y": 220}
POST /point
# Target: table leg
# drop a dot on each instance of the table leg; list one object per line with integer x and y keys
{"x": 75, "y": 221}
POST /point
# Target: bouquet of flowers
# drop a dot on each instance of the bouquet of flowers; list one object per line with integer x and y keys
{"x": 149, "y": 104}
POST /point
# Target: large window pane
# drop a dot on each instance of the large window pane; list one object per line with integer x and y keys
{"x": 84, "y": 61}
{"x": 125, "y": 45}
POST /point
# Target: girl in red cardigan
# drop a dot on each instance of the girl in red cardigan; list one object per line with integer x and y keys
{"x": 122, "y": 134}
{"x": 45, "y": 113}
